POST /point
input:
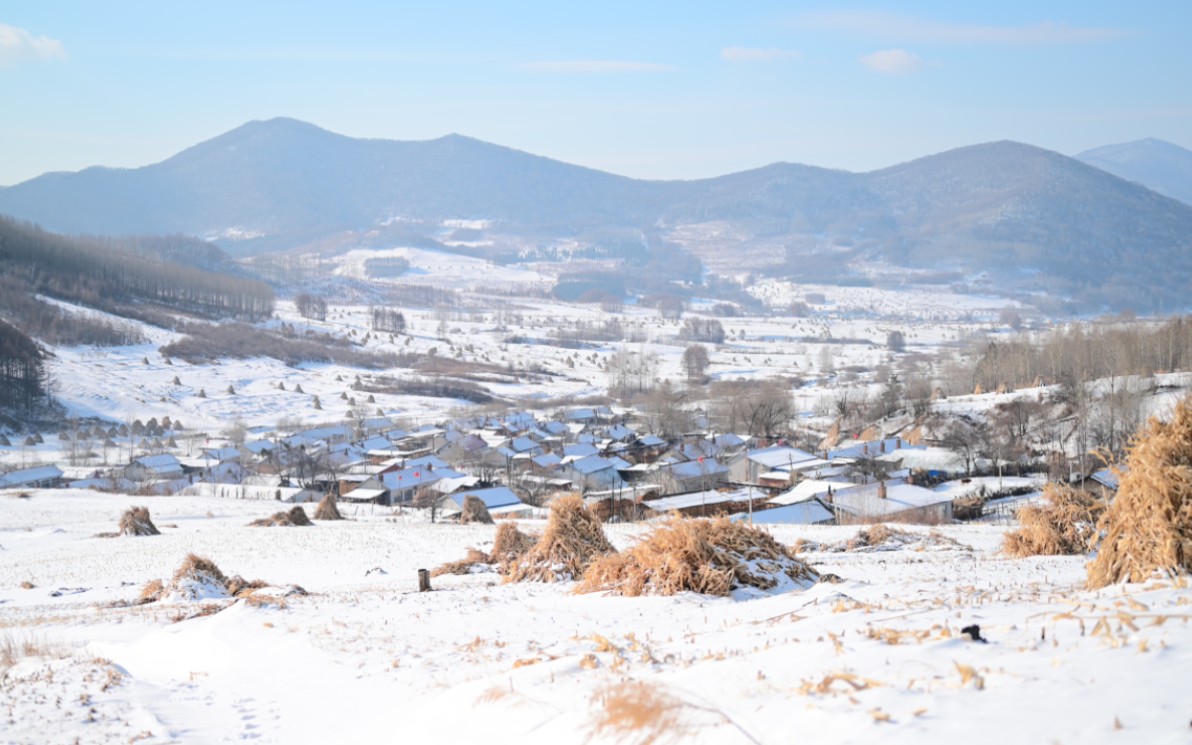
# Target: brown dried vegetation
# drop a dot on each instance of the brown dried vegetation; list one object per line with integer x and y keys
{"x": 573, "y": 539}
{"x": 711, "y": 556}
{"x": 328, "y": 509}
{"x": 1063, "y": 523}
{"x": 1149, "y": 526}
{"x": 295, "y": 517}
{"x": 474, "y": 510}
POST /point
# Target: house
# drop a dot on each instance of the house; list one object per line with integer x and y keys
{"x": 893, "y": 500}
{"x": 593, "y": 472}
{"x": 500, "y": 501}
{"x": 748, "y": 466}
{"x": 808, "y": 512}
{"x": 41, "y": 477}
{"x": 702, "y": 473}
{"x": 153, "y": 468}
{"x": 704, "y": 502}
{"x": 403, "y": 483}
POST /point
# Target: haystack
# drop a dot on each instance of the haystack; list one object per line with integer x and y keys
{"x": 474, "y": 562}
{"x": 295, "y": 517}
{"x": 1149, "y": 526}
{"x": 474, "y": 510}
{"x": 572, "y": 540}
{"x": 328, "y": 509}
{"x": 1064, "y": 523}
{"x": 710, "y": 556}
{"x": 135, "y": 521}
{"x": 509, "y": 545}
{"x": 198, "y": 579}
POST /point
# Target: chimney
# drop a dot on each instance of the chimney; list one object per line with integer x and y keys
{"x": 881, "y": 490}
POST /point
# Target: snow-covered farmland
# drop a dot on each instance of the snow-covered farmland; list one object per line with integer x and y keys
{"x": 365, "y": 658}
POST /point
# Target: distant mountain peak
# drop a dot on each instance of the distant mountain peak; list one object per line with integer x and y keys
{"x": 1157, "y": 164}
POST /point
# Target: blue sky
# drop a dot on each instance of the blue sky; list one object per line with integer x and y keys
{"x": 645, "y": 89}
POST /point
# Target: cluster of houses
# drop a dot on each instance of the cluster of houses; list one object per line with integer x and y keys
{"x": 516, "y": 462}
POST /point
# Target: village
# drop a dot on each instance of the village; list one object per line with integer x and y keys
{"x": 517, "y": 463}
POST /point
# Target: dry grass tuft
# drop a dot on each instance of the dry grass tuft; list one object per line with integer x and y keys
{"x": 135, "y": 521}
{"x": 572, "y": 540}
{"x": 1064, "y": 523}
{"x": 295, "y": 517}
{"x": 474, "y": 510}
{"x": 153, "y": 591}
{"x": 711, "y": 556}
{"x": 328, "y": 509}
{"x": 1148, "y": 527}
{"x": 639, "y": 713}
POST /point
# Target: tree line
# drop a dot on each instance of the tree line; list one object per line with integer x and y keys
{"x": 109, "y": 277}
{"x": 24, "y": 383}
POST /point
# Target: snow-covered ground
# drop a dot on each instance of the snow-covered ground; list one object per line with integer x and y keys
{"x": 365, "y": 658}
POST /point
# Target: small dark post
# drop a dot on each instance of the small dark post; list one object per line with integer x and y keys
{"x": 423, "y": 580}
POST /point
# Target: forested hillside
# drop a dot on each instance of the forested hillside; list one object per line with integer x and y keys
{"x": 110, "y": 276}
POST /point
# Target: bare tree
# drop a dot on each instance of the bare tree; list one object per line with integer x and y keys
{"x": 695, "y": 363}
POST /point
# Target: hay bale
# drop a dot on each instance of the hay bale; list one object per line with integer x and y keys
{"x": 328, "y": 509}
{"x": 296, "y": 517}
{"x": 474, "y": 510}
{"x": 710, "y": 556}
{"x": 572, "y": 540}
{"x": 1148, "y": 528}
{"x": 135, "y": 521}
{"x": 1064, "y": 523}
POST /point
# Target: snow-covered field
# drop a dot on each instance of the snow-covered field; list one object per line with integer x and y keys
{"x": 363, "y": 657}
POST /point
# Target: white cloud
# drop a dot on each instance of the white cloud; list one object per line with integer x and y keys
{"x": 18, "y": 45}
{"x": 747, "y": 54}
{"x": 879, "y": 25}
{"x": 595, "y": 66}
{"x": 893, "y": 61}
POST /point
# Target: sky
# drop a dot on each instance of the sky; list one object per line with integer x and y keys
{"x": 659, "y": 90}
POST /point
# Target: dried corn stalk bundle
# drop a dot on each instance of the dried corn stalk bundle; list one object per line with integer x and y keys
{"x": 572, "y": 540}
{"x": 1148, "y": 527}
{"x": 1063, "y": 523}
{"x": 295, "y": 517}
{"x": 711, "y": 556}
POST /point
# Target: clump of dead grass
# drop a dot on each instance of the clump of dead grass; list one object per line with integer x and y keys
{"x": 328, "y": 509}
{"x": 136, "y": 521}
{"x": 711, "y": 556}
{"x": 474, "y": 510}
{"x": 1148, "y": 527}
{"x": 1063, "y": 523}
{"x": 572, "y": 540}
{"x": 638, "y": 712}
{"x": 296, "y": 517}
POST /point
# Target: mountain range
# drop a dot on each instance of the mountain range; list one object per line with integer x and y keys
{"x": 1029, "y": 219}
